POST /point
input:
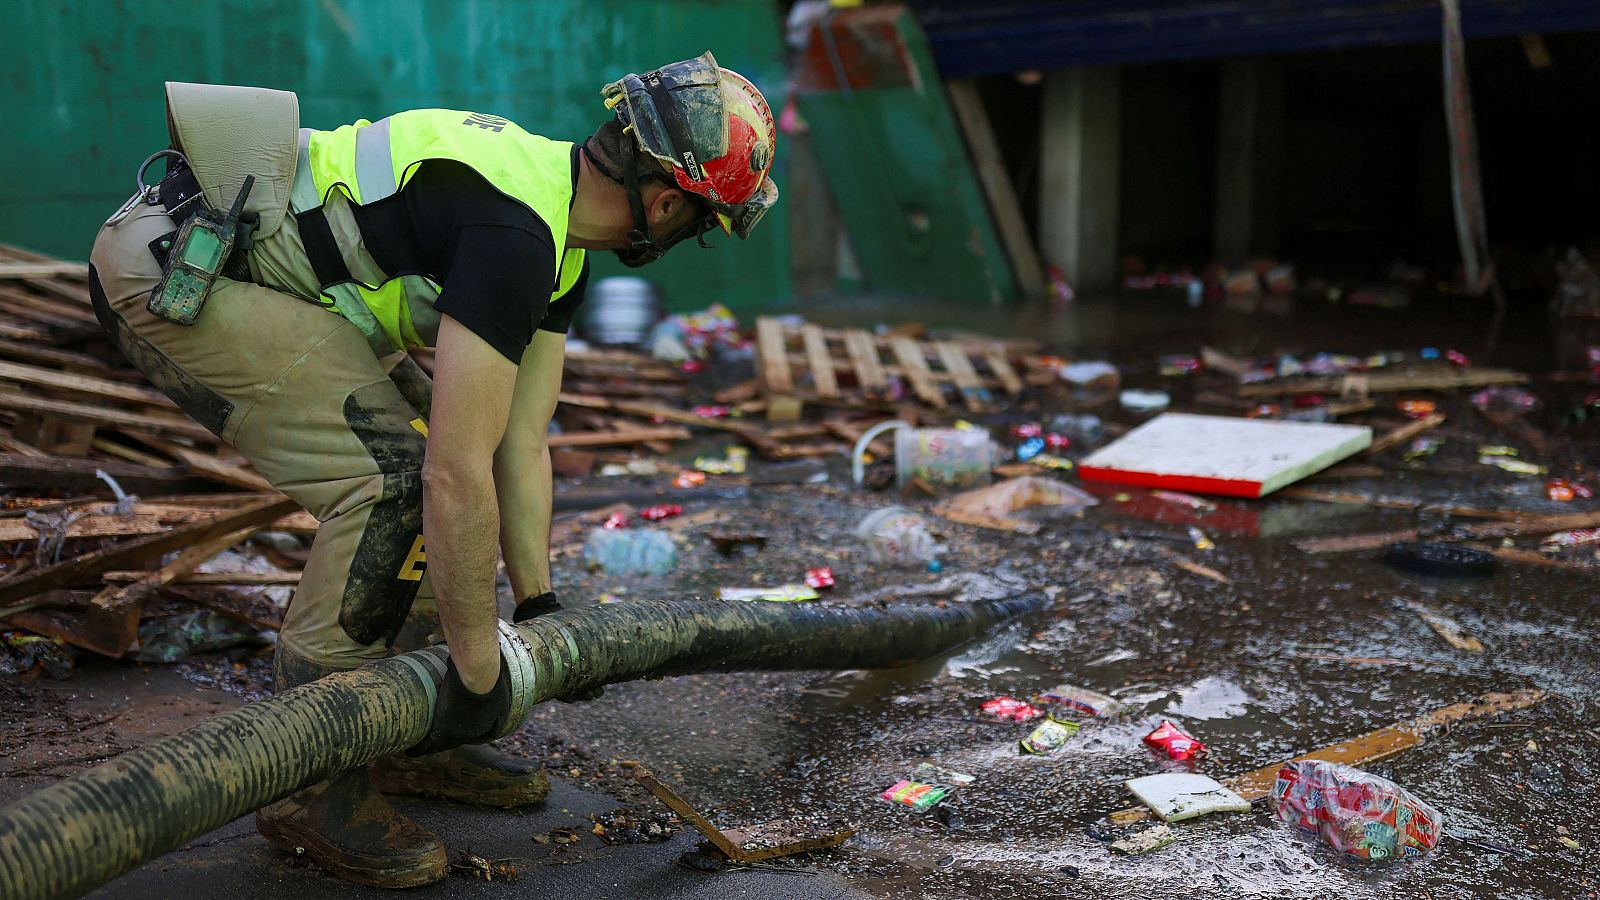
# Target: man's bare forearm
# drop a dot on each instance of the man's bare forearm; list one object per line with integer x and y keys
{"x": 522, "y": 484}
{"x": 460, "y": 523}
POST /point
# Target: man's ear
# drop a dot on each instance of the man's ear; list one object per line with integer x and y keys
{"x": 665, "y": 206}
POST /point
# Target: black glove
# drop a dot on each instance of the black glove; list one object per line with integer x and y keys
{"x": 533, "y": 607}
{"x": 462, "y": 717}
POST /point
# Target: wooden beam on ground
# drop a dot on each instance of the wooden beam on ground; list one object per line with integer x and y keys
{"x": 772, "y": 356}
{"x": 1404, "y": 433}
{"x": 101, "y": 415}
{"x": 1526, "y": 525}
{"x": 823, "y": 379}
{"x": 73, "y": 571}
{"x": 965, "y": 376}
{"x": 35, "y": 353}
{"x": 613, "y": 438}
{"x": 27, "y": 471}
{"x": 83, "y": 384}
{"x": 43, "y": 270}
{"x": 1004, "y": 371}
{"x": 1374, "y": 746}
{"x": 1388, "y": 382}
{"x": 750, "y": 433}
{"x": 226, "y": 579}
{"x": 207, "y": 465}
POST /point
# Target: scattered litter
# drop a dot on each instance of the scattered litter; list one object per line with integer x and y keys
{"x": 1174, "y": 741}
{"x": 1200, "y": 539}
{"x": 21, "y": 652}
{"x": 1422, "y": 448}
{"x": 630, "y": 551}
{"x": 1178, "y": 364}
{"x": 689, "y": 478}
{"x": 171, "y": 638}
{"x": 1354, "y": 812}
{"x": 945, "y": 458}
{"x": 1198, "y": 504}
{"x": 1575, "y": 538}
{"x": 469, "y": 865}
{"x": 1222, "y": 455}
{"x": 992, "y": 507}
{"x": 1563, "y": 491}
{"x": 1048, "y": 737}
{"x": 1091, "y": 380}
{"x": 783, "y": 593}
{"x": 1011, "y": 708}
{"x": 1497, "y": 450}
{"x": 936, "y": 773}
{"x": 1051, "y": 461}
{"x": 662, "y": 511}
{"x": 1134, "y": 400}
{"x": 1446, "y": 628}
{"x": 899, "y": 537}
{"x": 915, "y": 794}
{"x": 751, "y": 844}
{"x": 1513, "y": 465}
{"x": 615, "y": 521}
{"x": 1417, "y": 409}
{"x": 819, "y": 578}
{"x": 1086, "y": 430}
{"x": 734, "y": 461}
{"x": 1069, "y": 700}
{"x": 1427, "y": 558}
{"x": 1504, "y": 397}
{"x": 1175, "y": 796}
{"x": 1153, "y": 838}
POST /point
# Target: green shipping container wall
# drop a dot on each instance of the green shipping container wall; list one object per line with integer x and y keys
{"x": 894, "y": 160}
{"x": 82, "y": 102}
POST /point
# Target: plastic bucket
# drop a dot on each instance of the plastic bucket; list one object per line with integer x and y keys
{"x": 943, "y": 458}
{"x": 620, "y": 310}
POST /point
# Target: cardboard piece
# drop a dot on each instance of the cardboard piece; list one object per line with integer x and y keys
{"x": 1175, "y": 796}
{"x": 1222, "y": 455}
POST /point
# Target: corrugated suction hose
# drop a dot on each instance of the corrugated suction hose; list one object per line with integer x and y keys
{"x": 73, "y": 836}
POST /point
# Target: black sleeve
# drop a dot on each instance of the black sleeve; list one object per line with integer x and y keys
{"x": 560, "y": 314}
{"x": 497, "y": 278}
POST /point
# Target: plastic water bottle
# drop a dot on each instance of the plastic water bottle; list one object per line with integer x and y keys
{"x": 630, "y": 551}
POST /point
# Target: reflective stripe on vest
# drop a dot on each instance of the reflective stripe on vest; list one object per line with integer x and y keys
{"x": 367, "y": 162}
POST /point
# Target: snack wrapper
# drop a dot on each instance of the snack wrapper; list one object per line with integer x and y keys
{"x": 820, "y": 577}
{"x": 1049, "y": 737}
{"x": 615, "y": 520}
{"x": 663, "y": 511}
{"x": 1011, "y": 708}
{"x": 1071, "y": 702}
{"x": 915, "y": 794}
{"x": 1174, "y": 741}
{"x": 1358, "y": 814}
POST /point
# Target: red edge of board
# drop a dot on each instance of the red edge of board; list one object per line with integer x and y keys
{"x": 1227, "y": 487}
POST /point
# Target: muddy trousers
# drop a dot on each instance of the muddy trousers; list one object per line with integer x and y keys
{"x": 300, "y": 393}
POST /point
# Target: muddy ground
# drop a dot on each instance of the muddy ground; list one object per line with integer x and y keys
{"x": 1296, "y": 652}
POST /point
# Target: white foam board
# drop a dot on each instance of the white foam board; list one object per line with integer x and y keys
{"x": 1221, "y": 454}
{"x": 1176, "y": 796}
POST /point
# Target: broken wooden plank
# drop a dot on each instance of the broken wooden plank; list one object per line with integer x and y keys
{"x": 1404, "y": 433}
{"x": 101, "y": 415}
{"x": 993, "y": 176}
{"x": 34, "y": 353}
{"x": 226, "y": 579}
{"x": 27, "y": 471}
{"x": 83, "y": 384}
{"x": 965, "y": 376}
{"x": 112, "y": 622}
{"x": 750, "y": 433}
{"x": 823, "y": 378}
{"x": 773, "y": 356}
{"x": 73, "y": 571}
{"x": 206, "y": 464}
{"x": 1526, "y": 525}
{"x": 915, "y": 368}
{"x": 89, "y": 526}
{"x": 1374, "y": 746}
{"x": 43, "y": 270}
{"x": 732, "y": 843}
{"x": 620, "y": 436}
{"x": 1388, "y": 382}
{"x": 1003, "y": 370}
{"x": 1446, "y": 627}
{"x": 864, "y": 361}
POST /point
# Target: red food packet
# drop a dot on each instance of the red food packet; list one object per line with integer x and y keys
{"x": 1057, "y": 441}
{"x": 1172, "y": 739}
{"x": 693, "y": 366}
{"x": 713, "y": 412}
{"x": 663, "y": 511}
{"x": 1457, "y": 359}
{"x": 688, "y": 478}
{"x": 820, "y": 577}
{"x": 616, "y": 520}
{"x": 1027, "y": 430}
{"x": 1417, "y": 409}
{"x": 1562, "y": 490}
{"x": 1012, "y": 708}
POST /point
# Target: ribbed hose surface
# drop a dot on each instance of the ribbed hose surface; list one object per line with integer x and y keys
{"x": 67, "y": 839}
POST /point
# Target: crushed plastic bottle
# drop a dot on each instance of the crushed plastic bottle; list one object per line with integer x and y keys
{"x": 630, "y": 551}
{"x": 1356, "y": 813}
{"x": 899, "y": 537}
{"x": 171, "y": 638}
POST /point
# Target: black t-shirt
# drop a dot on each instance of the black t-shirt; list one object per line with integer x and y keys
{"x": 493, "y": 258}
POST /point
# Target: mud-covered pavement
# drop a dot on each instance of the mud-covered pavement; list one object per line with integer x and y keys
{"x": 1295, "y": 652}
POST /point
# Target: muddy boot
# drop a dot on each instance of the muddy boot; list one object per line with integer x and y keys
{"x": 344, "y": 825}
{"x": 475, "y": 773}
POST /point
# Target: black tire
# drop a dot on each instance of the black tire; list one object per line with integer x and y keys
{"x": 1425, "y": 558}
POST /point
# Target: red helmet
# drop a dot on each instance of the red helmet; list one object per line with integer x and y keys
{"x": 712, "y": 126}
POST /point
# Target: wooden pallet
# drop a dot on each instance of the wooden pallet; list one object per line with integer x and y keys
{"x": 853, "y": 367}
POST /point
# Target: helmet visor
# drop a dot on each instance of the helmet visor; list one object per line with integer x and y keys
{"x": 740, "y": 219}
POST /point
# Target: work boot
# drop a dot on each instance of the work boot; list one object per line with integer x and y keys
{"x": 344, "y": 825}
{"x": 474, "y": 773}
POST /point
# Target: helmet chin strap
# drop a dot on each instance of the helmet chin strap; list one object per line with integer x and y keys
{"x": 642, "y": 249}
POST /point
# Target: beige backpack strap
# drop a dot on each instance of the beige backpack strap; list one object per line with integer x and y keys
{"x": 230, "y": 132}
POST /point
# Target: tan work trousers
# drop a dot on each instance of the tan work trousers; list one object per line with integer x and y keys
{"x": 299, "y": 392}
